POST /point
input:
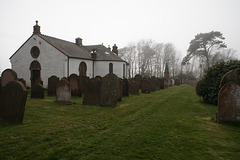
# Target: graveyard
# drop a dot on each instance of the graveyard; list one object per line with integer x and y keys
{"x": 171, "y": 123}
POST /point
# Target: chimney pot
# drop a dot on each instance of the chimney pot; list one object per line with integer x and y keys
{"x": 79, "y": 41}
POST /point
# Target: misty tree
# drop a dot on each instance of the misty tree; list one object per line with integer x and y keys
{"x": 205, "y": 45}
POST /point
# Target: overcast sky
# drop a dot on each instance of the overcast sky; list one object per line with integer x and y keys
{"x": 117, "y": 21}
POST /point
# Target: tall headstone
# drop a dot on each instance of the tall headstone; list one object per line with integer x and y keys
{"x": 109, "y": 90}
{"x": 125, "y": 87}
{"x": 74, "y": 81}
{"x": 12, "y": 102}
{"x": 92, "y": 92}
{"x": 120, "y": 89}
{"x": 8, "y": 75}
{"x": 229, "y": 103}
{"x": 83, "y": 82}
{"x": 138, "y": 79}
{"x": 63, "y": 92}
{"x": 52, "y": 85}
{"x": 146, "y": 86}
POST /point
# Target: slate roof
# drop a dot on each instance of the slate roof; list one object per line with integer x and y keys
{"x": 72, "y": 50}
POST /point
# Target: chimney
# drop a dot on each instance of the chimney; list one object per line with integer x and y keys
{"x": 79, "y": 41}
{"x": 115, "y": 49}
{"x": 36, "y": 29}
{"x": 94, "y": 54}
{"x": 109, "y": 48}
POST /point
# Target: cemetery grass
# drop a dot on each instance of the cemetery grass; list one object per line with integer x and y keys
{"x": 166, "y": 124}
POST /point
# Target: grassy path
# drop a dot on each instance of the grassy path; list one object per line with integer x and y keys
{"x": 167, "y": 124}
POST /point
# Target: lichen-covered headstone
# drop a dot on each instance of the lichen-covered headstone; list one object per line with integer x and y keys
{"x": 74, "y": 81}
{"x": 12, "y": 102}
{"x": 8, "y": 75}
{"x": 109, "y": 90}
{"x": 52, "y": 85}
{"x": 229, "y": 103}
{"x": 63, "y": 92}
{"x": 92, "y": 92}
{"x": 146, "y": 86}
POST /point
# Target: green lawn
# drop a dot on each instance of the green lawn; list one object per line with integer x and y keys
{"x": 167, "y": 124}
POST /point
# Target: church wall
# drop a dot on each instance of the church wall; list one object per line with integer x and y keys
{"x": 74, "y": 66}
{"x": 51, "y": 60}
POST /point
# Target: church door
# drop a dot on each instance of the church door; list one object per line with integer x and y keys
{"x": 35, "y": 69}
{"x": 82, "y": 68}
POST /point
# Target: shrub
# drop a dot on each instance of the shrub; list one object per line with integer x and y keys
{"x": 209, "y": 86}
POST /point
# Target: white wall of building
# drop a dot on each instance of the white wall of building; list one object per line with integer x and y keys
{"x": 74, "y": 66}
{"x": 52, "y": 61}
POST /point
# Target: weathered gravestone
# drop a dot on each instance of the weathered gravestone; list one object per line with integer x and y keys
{"x": 92, "y": 92}
{"x": 52, "y": 85}
{"x": 133, "y": 88}
{"x": 83, "y": 82}
{"x": 125, "y": 87}
{"x": 230, "y": 76}
{"x": 63, "y": 92}
{"x": 229, "y": 103}
{"x": 12, "y": 102}
{"x": 74, "y": 81}
{"x": 146, "y": 86}
{"x": 109, "y": 90}
{"x": 138, "y": 79}
{"x": 37, "y": 91}
{"x": 8, "y": 75}
{"x": 120, "y": 89}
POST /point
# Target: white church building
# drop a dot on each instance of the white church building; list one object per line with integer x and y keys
{"x": 42, "y": 56}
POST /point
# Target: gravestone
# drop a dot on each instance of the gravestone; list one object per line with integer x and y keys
{"x": 153, "y": 84}
{"x": 83, "y": 81}
{"x": 125, "y": 87}
{"x": 92, "y": 92}
{"x": 52, "y": 85}
{"x": 177, "y": 82}
{"x": 99, "y": 77}
{"x": 120, "y": 89}
{"x": 37, "y": 91}
{"x": 22, "y": 81}
{"x": 165, "y": 82}
{"x": 8, "y": 75}
{"x": 63, "y": 92}
{"x": 12, "y": 102}
{"x": 229, "y": 103}
{"x": 146, "y": 86}
{"x": 133, "y": 88}
{"x": 138, "y": 79}
{"x": 109, "y": 90}
{"x": 38, "y": 81}
{"x": 161, "y": 83}
{"x": 230, "y": 76}
{"x": 173, "y": 82}
{"x": 74, "y": 81}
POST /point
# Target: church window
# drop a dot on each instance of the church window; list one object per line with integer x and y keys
{"x": 35, "y": 52}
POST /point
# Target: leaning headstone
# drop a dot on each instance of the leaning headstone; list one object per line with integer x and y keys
{"x": 74, "y": 81}
{"x": 229, "y": 103}
{"x": 37, "y": 91}
{"x": 120, "y": 89}
{"x": 230, "y": 76}
{"x": 133, "y": 88}
{"x": 92, "y": 92}
{"x": 12, "y": 102}
{"x": 8, "y": 75}
{"x": 125, "y": 87}
{"x": 109, "y": 90}
{"x": 146, "y": 86}
{"x": 63, "y": 92}
{"x": 52, "y": 85}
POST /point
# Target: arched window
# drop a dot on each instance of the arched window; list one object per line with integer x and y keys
{"x": 82, "y": 68}
{"x": 110, "y": 68}
{"x": 35, "y": 69}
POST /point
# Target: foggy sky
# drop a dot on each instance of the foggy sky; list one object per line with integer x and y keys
{"x": 117, "y": 21}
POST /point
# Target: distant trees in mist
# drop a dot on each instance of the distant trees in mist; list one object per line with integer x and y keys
{"x": 148, "y": 58}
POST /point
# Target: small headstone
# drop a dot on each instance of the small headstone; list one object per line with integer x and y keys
{"x": 74, "y": 81}
{"x": 229, "y": 103}
{"x": 52, "y": 85}
{"x": 12, "y": 102}
{"x": 92, "y": 92}
{"x": 63, "y": 92}
{"x": 8, "y": 75}
{"x": 109, "y": 90}
{"x": 125, "y": 87}
{"x": 230, "y": 76}
{"x": 37, "y": 91}
{"x": 133, "y": 88}
{"x": 146, "y": 86}
{"x": 120, "y": 90}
